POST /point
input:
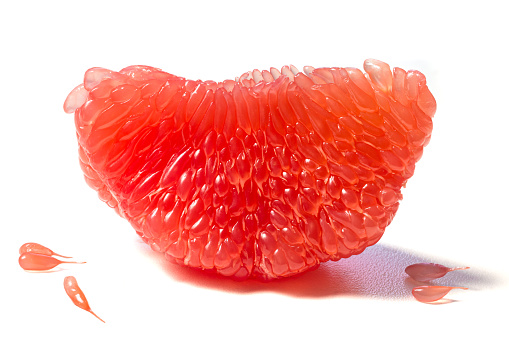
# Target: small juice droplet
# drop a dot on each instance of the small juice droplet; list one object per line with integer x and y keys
{"x": 40, "y": 262}
{"x": 37, "y": 248}
{"x": 427, "y": 294}
{"x": 76, "y": 294}
{"x": 429, "y": 271}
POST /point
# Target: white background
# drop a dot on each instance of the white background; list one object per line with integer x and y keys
{"x": 453, "y": 210}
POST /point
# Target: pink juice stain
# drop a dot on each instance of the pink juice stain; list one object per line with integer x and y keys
{"x": 77, "y": 296}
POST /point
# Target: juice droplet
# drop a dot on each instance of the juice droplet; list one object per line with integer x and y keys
{"x": 427, "y": 294}
{"x": 39, "y": 249}
{"x": 76, "y": 294}
{"x": 40, "y": 262}
{"x": 427, "y": 272}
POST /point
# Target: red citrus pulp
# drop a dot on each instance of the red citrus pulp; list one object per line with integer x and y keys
{"x": 264, "y": 176}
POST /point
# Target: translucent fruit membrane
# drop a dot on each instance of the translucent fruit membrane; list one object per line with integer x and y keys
{"x": 264, "y": 176}
{"x": 427, "y": 294}
{"x": 77, "y": 296}
{"x": 429, "y": 271}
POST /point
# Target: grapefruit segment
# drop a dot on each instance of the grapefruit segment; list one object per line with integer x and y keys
{"x": 265, "y": 176}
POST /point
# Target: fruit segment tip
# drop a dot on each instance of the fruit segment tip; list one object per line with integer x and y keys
{"x": 75, "y": 99}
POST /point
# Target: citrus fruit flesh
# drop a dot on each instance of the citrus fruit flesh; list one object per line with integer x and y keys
{"x": 263, "y": 176}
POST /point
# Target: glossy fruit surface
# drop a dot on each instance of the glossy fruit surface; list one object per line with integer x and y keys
{"x": 264, "y": 176}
